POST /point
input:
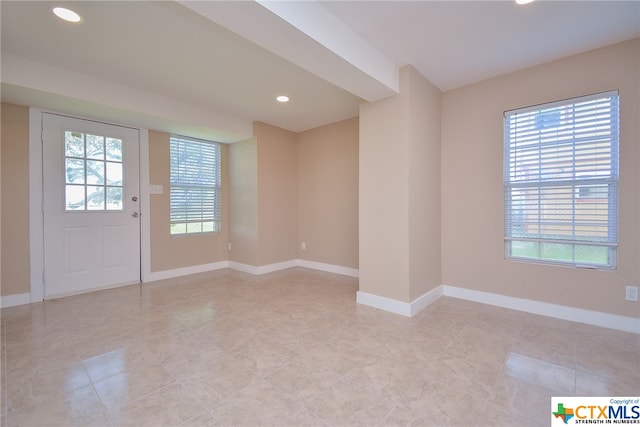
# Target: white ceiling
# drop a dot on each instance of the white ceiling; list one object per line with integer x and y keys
{"x": 455, "y": 43}
{"x": 208, "y": 69}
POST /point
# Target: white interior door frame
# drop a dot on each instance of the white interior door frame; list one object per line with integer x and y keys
{"x": 36, "y": 215}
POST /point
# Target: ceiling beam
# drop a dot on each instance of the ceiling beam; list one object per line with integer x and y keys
{"x": 309, "y": 36}
{"x": 42, "y": 85}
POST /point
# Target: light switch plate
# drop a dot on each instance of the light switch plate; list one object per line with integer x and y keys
{"x": 156, "y": 189}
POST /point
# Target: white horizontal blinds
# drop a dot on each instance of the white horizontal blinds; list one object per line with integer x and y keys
{"x": 195, "y": 185}
{"x": 561, "y": 180}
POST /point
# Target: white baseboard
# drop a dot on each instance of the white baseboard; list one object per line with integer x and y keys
{"x": 13, "y": 300}
{"x": 269, "y": 268}
{"x": 331, "y": 268}
{"x": 184, "y": 271}
{"x": 383, "y": 303}
{"x": 590, "y": 317}
{"x": 408, "y": 309}
{"x": 262, "y": 269}
{"x": 426, "y": 299}
{"x": 245, "y": 268}
{"x": 20, "y": 299}
{"x": 250, "y": 269}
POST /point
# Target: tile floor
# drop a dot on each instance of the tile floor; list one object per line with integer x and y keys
{"x": 293, "y": 348}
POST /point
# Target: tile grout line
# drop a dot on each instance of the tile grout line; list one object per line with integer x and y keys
{"x": 286, "y": 342}
{"x": 502, "y": 369}
{"x": 81, "y": 361}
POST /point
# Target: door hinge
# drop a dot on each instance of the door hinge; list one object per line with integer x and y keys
{"x": 43, "y": 277}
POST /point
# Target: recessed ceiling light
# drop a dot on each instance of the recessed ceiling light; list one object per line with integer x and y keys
{"x": 524, "y": 1}
{"x": 67, "y": 14}
{"x": 282, "y": 98}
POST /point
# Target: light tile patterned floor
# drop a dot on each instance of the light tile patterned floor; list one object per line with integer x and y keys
{"x": 292, "y": 348}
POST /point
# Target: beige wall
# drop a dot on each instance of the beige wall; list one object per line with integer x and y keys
{"x": 472, "y": 187}
{"x": 276, "y": 195}
{"x": 327, "y": 175}
{"x": 424, "y": 183}
{"x": 399, "y": 191}
{"x": 274, "y": 200}
{"x": 260, "y": 200}
{"x": 383, "y": 200}
{"x": 167, "y": 251}
{"x": 15, "y": 200}
{"x": 243, "y": 199}
{"x": 277, "y": 191}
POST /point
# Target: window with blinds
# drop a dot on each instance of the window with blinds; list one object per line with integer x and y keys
{"x": 195, "y": 186}
{"x": 561, "y": 182}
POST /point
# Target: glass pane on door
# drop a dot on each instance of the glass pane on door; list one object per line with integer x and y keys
{"x": 93, "y": 172}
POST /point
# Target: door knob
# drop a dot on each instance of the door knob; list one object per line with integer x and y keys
{"x": 135, "y": 214}
{"x": 134, "y": 199}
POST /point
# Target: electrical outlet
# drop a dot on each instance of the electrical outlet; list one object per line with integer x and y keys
{"x": 303, "y": 246}
{"x": 229, "y": 246}
{"x": 631, "y": 293}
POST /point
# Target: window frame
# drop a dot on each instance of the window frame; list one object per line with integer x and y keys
{"x": 186, "y": 180}
{"x": 546, "y": 185}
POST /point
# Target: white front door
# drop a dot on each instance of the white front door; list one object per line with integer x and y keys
{"x": 91, "y": 205}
